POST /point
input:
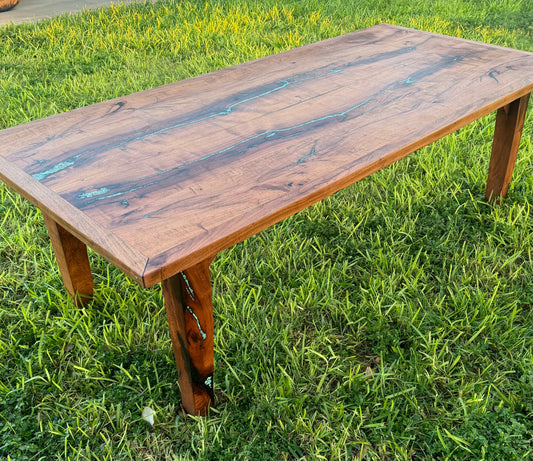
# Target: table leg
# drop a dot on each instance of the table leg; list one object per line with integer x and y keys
{"x": 189, "y": 308}
{"x": 507, "y": 133}
{"x": 73, "y": 262}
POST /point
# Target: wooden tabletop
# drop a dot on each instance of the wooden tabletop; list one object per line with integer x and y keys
{"x": 159, "y": 180}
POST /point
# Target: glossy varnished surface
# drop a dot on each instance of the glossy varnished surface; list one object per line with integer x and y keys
{"x": 160, "y": 180}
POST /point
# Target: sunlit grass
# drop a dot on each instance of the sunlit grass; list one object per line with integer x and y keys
{"x": 391, "y": 321}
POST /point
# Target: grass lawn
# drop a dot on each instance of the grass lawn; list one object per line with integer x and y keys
{"x": 391, "y": 321}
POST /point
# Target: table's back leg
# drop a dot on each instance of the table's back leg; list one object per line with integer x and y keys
{"x": 73, "y": 262}
{"x": 189, "y": 306}
{"x": 507, "y": 133}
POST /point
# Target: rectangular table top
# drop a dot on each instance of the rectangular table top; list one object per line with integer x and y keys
{"x": 159, "y": 180}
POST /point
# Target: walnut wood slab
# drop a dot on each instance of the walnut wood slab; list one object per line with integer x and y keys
{"x": 160, "y": 180}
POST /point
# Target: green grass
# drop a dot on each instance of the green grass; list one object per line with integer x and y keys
{"x": 392, "y": 321}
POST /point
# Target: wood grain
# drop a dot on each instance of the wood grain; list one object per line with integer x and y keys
{"x": 190, "y": 317}
{"x": 183, "y": 171}
{"x": 103, "y": 241}
{"x": 507, "y": 134}
{"x": 73, "y": 262}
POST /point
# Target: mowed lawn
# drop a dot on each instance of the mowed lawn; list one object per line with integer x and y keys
{"x": 391, "y": 321}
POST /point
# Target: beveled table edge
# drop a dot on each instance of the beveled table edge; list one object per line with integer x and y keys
{"x": 101, "y": 240}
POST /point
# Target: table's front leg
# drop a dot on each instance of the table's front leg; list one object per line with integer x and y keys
{"x": 73, "y": 262}
{"x": 189, "y": 306}
{"x": 507, "y": 134}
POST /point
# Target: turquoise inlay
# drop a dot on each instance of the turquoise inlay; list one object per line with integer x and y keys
{"x": 267, "y": 134}
{"x": 310, "y": 154}
{"x": 192, "y": 122}
{"x": 55, "y": 169}
{"x": 197, "y": 323}
{"x": 283, "y": 84}
{"x": 102, "y": 190}
{"x": 63, "y": 165}
{"x": 313, "y": 74}
{"x": 270, "y": 133}
{"x": 189, "y": 288}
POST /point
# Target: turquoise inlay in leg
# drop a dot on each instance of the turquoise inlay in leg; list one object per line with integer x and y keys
{"x": 204, "y": 336}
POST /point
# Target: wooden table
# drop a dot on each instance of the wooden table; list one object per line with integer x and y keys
{"x": 158, "y": 182}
